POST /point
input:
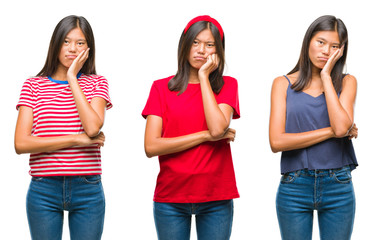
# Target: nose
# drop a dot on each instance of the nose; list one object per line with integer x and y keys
{"x": 72, "y": 47}
{"x": 201, "y": 48}
{"x": 326, "y": 50}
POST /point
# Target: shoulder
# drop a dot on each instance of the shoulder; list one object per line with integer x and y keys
{"x": 281, "y": 81}
{"x": 228, "y": 79}
{"x": 229, "y": 82}
{"x": 92, "y": 78}
{"x": 349, "y": 83}
{"x": 349, "y": 79}
{"x": 36, "y": 81}
{"x": 163, "y": 82}
{"x": 279, "y": 87}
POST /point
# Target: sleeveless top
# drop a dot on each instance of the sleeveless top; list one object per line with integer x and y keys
{"x": 308, "y": 113}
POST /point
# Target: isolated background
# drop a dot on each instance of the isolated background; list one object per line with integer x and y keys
{"x": 136, "y": 43}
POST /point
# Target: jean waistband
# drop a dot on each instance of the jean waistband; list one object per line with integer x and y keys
{"x": 321, "y": 172}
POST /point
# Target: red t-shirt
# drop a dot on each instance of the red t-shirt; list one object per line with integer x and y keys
{"x": 205, "y": 172}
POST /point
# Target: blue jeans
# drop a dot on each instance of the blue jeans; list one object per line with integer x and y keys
{"x": 330, "y": 192}
{"x": 82, "y": 196}
{"x": 213, "y": 220}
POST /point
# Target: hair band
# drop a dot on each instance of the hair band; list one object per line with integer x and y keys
{"x": 207, "y": 19}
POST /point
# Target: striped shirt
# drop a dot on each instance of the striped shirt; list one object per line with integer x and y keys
{"x": 55, "y": 114}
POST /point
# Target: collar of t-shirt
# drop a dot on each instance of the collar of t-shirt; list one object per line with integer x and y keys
{"x": 60, "y": 81}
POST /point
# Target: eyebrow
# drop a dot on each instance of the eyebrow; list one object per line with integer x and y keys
{"x": 323, "y": 39}
{"x": 204, "y": 42}
{"x": 80, "y": 39}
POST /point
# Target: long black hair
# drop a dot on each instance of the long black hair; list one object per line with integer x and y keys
{"x": 180, "y": 81}
{"x": 62, "y": 29}
{"x": 323, "y": 23}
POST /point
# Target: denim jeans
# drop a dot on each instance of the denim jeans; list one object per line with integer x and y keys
{"x": 330, "y": 192}
{"x": 213, "y": 220}
{"x": 82, "y": 196}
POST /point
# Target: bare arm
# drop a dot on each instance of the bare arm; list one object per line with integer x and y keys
{"x": 218, "y": 116}
{"x": 92, "y": 114}
{"x": 279, "y": 139}
{"x": 155, "y": 145}
{"x": 24, "y": 142}
{"x": 340, "y": 110}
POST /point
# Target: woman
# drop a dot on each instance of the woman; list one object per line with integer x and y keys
{"x": 188, "y": 117}
{"x": 311, "y": 123}
{"x": 61, "y": 113}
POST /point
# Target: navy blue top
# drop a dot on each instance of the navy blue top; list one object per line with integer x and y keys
{"x": 306, "y": 113}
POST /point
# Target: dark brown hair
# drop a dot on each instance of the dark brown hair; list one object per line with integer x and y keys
{"x": 62, "y": 29}
{"x": 323, "y": 23}
{"x": 180, "y": 81}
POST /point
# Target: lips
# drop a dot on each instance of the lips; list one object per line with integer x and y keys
{"x": 71, "y": 56}
{"x": 323, "y": 59}
{"x": 198, "y": 58}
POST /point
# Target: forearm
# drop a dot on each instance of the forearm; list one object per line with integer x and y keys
{"x": 32, "y": 144}
{"x": 339, "y": 118}
{"x": 216, "y": 120}
{"x": 291, "y": 141}
{"x": 90, "y": 119}
{"x": 157, "y": 146}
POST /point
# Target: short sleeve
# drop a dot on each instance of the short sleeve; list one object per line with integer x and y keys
{"x": 27, "y": 97}
{"x": 102, "y": 91}
{"x": 153, "y": 104}
{"x": 229, "y": 95}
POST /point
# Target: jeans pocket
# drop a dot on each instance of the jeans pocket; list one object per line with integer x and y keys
{"x": 37, "y": 179}
{"x": 91, "y": 179}
{"x": 289, "y": 177}
{"x": 343, "y": 175}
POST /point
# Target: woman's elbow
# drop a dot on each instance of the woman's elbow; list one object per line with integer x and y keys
{"x": 93, "y": 131}
{"x": 149, "y": 151}
{"x": 275, "y": 147}
{"x": 341, "y": 132}
{"x": 217, "y": 132}
{"x": 18, "y": 147}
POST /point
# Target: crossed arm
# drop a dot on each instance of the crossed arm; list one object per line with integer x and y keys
{"x": 91, "y": 115}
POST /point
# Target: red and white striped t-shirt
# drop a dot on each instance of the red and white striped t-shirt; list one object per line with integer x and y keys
{"x": 55, "y": 114}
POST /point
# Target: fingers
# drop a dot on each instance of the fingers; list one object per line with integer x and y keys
{"x": 82, "y": 57}
{"x": 215, "y": 60}
{"x": 230, "y": 135}
{"x": 99, "y": 139}
{"x": 78, "y": 62}
{"x": 353, "y": 133}
{"x": 210, "y": 65}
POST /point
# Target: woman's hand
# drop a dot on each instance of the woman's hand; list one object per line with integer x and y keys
{"x": 212, "y": 64}
{"x": 327, "y": 69}
{"x": 77, "y": 64}
{"x": 229, "y": 135}
{"x": 353, "y": 132}
{"x": 84, "y": 140}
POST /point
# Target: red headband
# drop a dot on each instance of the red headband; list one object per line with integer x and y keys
{"x": 207, "y": 19}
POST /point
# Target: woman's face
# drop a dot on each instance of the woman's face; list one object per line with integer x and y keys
{"x": 322, "y": 46}
{"x": 73, "y": 44}
{"x": 203, "y": 46}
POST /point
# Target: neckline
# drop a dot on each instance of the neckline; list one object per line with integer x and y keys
{"x": 312, "y": 95}
{"x": 290, "y": 84}
{"x": 61, "y": 81}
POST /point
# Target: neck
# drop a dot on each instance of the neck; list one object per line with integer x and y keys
{"x": 315, "y": 72}
{"x": 193, "y": 76}
{"x": 60, "y": 74}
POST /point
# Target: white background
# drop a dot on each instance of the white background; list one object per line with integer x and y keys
{"x": 136, "y": 43}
